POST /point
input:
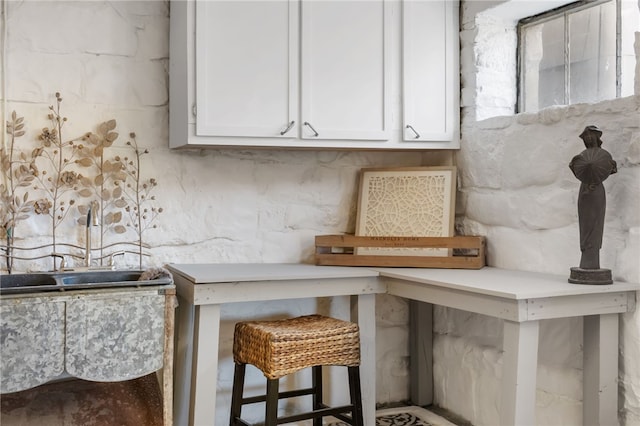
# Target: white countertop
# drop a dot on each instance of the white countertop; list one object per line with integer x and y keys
{"x": 201, "y": 273}
{"x": 504, "y": 283}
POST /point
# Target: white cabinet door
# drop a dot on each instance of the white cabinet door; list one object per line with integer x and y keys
{"x": 344, "y": 76}
{"x": 246, "y": 68}
{"x": 430, "y": 70}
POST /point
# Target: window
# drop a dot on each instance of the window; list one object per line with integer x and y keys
{"x": 582, "y": 52}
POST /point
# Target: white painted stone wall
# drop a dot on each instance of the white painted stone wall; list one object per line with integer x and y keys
{"x": 110, "y": 60}
{"x": 517, "y": 189}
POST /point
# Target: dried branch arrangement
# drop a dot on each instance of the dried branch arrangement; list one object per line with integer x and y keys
{"x": 68, "y": 176}
{"x": 139, "y": 200}
{"x": 18, "y": 172}
{"x": 57, "y": 182}
{"x": 105, "y": 186}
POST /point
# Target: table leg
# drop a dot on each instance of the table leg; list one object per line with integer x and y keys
{"x": 519, "y": 369}
{"x": 167, "y": 365}
{"x": 204, "y": 372}
{"x": 336, "y": 392}
{"x": 366, "y": 308}
{"x": 600, "y": 370}
{"x": 421, "y": 352}
{"x": 182, "y": 361}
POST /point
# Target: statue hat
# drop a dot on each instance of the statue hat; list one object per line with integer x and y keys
{"x": 589, "y": 129}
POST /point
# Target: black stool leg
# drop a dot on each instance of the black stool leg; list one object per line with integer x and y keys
{"x": 356, "y": 395}
{"x": 236, "y": 395}
{"x": 271, "y": 410}
{"x": 316, "y": 381}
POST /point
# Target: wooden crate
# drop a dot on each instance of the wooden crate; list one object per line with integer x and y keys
{"x": 464, "y": 252}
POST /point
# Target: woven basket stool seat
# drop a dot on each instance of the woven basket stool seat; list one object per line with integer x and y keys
{"x": 282, "y": 347}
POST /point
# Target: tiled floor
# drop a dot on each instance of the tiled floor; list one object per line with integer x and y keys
{"x": 80, "y": 403}
{"x": 407, "y": 416}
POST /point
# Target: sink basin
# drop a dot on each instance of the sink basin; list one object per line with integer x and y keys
{"x": 10, "y": 282}
{"x": 95, "y": 277}
{"x": 37, "y": 282}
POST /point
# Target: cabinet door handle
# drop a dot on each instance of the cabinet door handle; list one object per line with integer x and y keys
{"x": 288, "y": 128}
{"x": 409, "y": 126}
{"x": 306, "y": 123}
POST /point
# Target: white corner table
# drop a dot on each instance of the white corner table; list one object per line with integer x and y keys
{"x": 202, "y": 288}
{"x": 522, "y": 299}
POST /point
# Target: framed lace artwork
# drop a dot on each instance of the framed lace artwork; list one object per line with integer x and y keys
{"x": 406, "y": 202}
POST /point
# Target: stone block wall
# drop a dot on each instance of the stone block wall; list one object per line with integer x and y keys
{"x": 109, "y": 59}
{"x": 516, "y": 188}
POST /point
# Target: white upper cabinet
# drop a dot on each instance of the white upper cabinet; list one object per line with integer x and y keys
{"x": 314, "y": 74}
{"x": 344, "y": 76}
{"x": 246, "y": 68}
{"x": 430, "y": 70}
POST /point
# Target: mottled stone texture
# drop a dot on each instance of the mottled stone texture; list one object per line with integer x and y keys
{"x": 114, "y": 338}
{"x": 32, "y": 358}
{"x": 98, "y": 336}
{"x": 516, "y": 188}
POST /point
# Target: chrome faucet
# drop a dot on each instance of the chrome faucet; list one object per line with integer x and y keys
{"x": 91, "y": 221}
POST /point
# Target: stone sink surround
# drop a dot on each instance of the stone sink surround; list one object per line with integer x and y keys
{"x": 110, "y": 60}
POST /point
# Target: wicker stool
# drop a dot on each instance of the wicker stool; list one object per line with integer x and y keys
{"x": 282, "y": 347}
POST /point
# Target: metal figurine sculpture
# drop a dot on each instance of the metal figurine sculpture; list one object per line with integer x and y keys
{"x": 592, "y": 166}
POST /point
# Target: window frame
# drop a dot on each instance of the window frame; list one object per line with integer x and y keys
{"x": 564, "y": 12}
